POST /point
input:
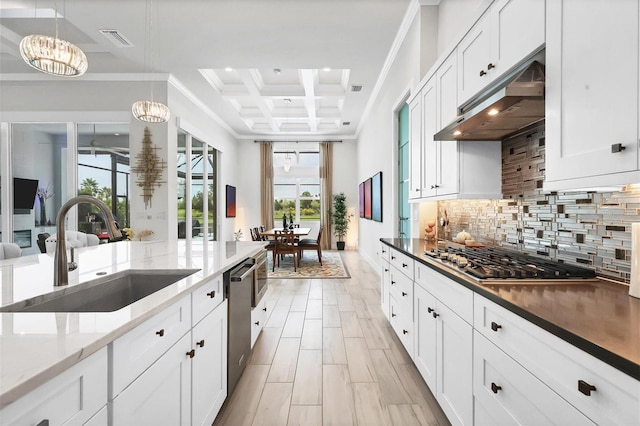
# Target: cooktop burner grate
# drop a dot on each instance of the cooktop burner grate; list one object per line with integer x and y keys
{"x": 497, "y": 263}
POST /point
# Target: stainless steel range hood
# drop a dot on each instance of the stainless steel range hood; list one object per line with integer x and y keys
{"x": 510, "y": 104}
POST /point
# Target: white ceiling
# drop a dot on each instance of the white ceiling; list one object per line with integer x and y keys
{"x": 321, "y": 47}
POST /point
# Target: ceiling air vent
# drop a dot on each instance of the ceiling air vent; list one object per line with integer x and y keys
{"x": 346, "y": 123}
{"x": 115, "y": 37}
{"x": 356, "y": 88}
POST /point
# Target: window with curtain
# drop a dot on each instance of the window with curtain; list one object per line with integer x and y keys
{"x": 296, "y": 185}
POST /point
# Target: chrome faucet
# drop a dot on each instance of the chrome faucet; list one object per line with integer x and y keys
{"x": 61, "y": 267}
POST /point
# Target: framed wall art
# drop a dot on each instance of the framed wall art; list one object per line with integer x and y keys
{"x": 376, "y": 197}
{"x": 361, "y": 198}
{"x": 231, "y": 201}
{"x": 367, "y": 198}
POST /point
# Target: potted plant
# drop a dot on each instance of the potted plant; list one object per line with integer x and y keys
{"x": 340, "y": 219}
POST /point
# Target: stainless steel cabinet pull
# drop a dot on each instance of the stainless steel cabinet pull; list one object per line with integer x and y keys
{"x": 495, "y": 326}
{"x": 191, "y": 353}
{"x": 211, "y": 294}
{"x": 585, "y": 387}
{"x": 160, "y": 332}
{"x": 495, "y": 388}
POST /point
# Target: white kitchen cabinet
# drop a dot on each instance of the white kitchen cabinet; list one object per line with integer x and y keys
{"x": 71, "y": 398}
{"x": 206, "y": 298}
{"x": 565, "y": 369}
{"x": 415, "y": 147}
{"x": 402, "y": 323}
{"x": 101, "y": 418}
{"x": 209, "y": 366}
{"x": 506, "y": 34}
{"x": 443, "y": 342}
{"x": 453, "y": 169}
{"x": 162, "y": 394}
{"x": 505, "y": 393}
{"x": 385, "y": 273}
{"x": 592, "y": 89}
{"x": 259, "y": 316}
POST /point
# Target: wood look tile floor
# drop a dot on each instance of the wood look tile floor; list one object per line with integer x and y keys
{"x": 328, "y": 356}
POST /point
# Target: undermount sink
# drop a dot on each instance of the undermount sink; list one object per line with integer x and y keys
{"x": 106, "y": 294}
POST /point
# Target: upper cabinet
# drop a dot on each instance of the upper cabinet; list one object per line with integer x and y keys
{"x": 505, "y": 34}
{"x": 592, "y": 94}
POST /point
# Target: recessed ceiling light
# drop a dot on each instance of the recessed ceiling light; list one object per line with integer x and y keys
{"x": 277, "y": 71}
{"x": 326, "y": 69}
{"x": 228, "y": 69}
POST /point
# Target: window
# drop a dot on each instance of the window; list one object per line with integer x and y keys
{"x": 296, "y": 184}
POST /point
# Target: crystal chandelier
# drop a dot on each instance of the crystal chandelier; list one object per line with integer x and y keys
{"x": 52, "y": 55}
{"x": 150, "y": 111}
{"x": 287, "y": 162}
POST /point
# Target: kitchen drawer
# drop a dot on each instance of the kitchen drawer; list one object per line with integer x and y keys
{"x": 402, "y": 323}
{"x": 505, "y": 393}
{"x": 457, "y": 297}
{"x": 402, "y": 262}
{"x": 561, "y": 366}
{"x": 70, "y": 398}
{"x": 258, "y": 319}
{"x": 206, "y": 298}
{"x": 139, "y": 348}
{"x": 401, "y": 287}
{"x": 384, "y": 252}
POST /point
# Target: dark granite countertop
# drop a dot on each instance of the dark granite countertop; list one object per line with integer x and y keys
{"x": 598, "y": 316}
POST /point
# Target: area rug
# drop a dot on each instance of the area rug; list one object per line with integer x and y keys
{"x": 332, "y": 266}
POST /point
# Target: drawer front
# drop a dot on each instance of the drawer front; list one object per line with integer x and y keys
{"x": 509, "y": 394}
{"x": 258, "y": 319}
{"x": 457, "y": 297}
{"x": 401, "y": 287}
{"x": 402, "y": 323}
{"x": 384, "y": 252}
{"x": 206, "y": 298}
{"x": 561, "y": 366}
{"x": 139, "y": 348}
{"x": 402, "y": 262}
{"x": 73, "y": 397}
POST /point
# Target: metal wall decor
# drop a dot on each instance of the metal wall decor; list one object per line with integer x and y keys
{"x": 149, "y": 168}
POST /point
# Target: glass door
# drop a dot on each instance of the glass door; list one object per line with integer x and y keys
{"x": 403, "y": 172}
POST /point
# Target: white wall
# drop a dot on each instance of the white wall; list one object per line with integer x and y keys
{"x": 345, "y": 179}
{"x": 248, "y": 188}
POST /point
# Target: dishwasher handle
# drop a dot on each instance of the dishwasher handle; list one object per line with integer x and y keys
{"x": 235, "y": 274}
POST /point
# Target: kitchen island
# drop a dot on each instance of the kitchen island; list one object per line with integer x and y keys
{"x": 37, "y": 347}
{"x": 544, "y": 351}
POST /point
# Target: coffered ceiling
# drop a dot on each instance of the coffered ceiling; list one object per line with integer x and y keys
{"x": 266, "y": 68}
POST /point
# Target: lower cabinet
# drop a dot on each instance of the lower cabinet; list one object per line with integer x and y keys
{"x": 74, "y": 397}
{"x": 160, "y": 395}
{"x": 259, "y": 316}
{"x": 443, "y": 350}
{"x": 209, "y": 366}
{"x": 505, "y": 393}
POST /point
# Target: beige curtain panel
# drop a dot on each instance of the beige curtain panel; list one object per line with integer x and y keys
{"x": 266, "y": 184}
{"x": 326, "y": 177}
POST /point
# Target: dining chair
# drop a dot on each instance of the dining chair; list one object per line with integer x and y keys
{"x": 284, "y": 244}
{"x": 310, "y": 244}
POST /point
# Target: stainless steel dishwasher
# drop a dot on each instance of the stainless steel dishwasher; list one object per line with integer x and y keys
{"x": 238, "y": 286}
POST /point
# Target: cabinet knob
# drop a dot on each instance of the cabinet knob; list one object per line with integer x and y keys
{"x": 393, "y": 315}
{"x": 483, "y": 73}
{"x": 257, "y": 323}
{"x": 386, "y": 270}
{"x": 429, "y": 309}
{"x": 435, "y": 186}
{"x": 404, "y": 331}
{"x": 191, "y": 353}
{"x": 384, "y": 251}
{"x": 404, "y": 293}
{"x": 160, "y": 332}
{"x": 264, "y": 309}
{"x": 435, "y": 314}
{"x": 490, "y": 66}
{"x": 495, "y": 326}
{"x": 585, "y": 387}
{"x": 393, "y": 257}
{"x": 393, "y": 282}
{"x": 211, "y": 294}
{"x": 417, "y": 189}
{"x": 200, "y": 343}
{"x": 495, "y": 388}
{"x": 404, "y": 265}
{"x": 617, "y": 147}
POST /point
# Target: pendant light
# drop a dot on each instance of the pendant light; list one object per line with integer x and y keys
{"x": 150, "y": 111}
{"x": 52, "y": 55}
{"x": 287, "y": 162}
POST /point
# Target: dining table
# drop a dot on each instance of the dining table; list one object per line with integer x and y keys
{"x": 297, "y": 232}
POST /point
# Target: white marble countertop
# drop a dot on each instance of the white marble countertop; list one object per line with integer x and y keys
{"x": 35, "y": 347}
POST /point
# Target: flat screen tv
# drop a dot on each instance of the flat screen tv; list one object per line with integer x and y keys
{"x": 24, "y": 193}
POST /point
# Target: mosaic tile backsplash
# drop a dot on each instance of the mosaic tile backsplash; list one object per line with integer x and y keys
{"x": 591, "y": 229}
